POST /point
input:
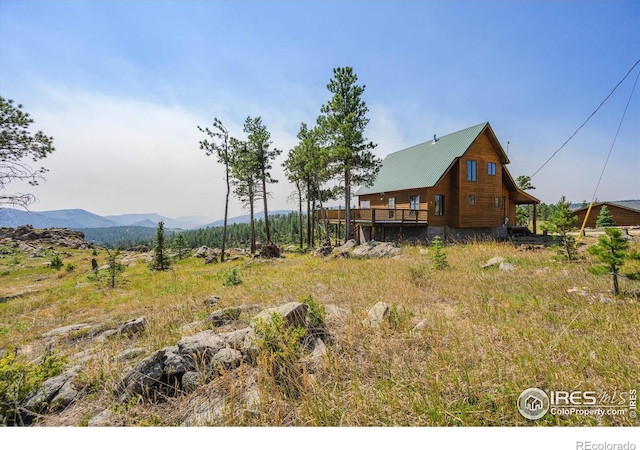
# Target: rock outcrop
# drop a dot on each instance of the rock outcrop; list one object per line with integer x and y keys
{"x": 60, "y": 237}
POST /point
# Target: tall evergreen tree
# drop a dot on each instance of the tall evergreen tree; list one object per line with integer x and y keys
{"x": 523, "y": 213}
{"x": 605, "y": 219}
{"x": 343, "y": 121}
{"x": 244, "y": 172}
{"x": 259, "y": 141}
{"x": 221, "y": 150}
{"x": 161, "y": 260}
{"x": 561, "y": 223}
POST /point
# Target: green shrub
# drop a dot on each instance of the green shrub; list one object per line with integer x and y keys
{"x": 438, "y": 256}
{"x": 18, "y": 379}
{"x": 70, "y": 268}
{"x": 279, "y": 353}
{"x": 56, "y": 263}
{"x": 232, "y": 278}
{"x": 315, "y": 311}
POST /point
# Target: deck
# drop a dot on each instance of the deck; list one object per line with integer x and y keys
{"x": 377, "y": 217}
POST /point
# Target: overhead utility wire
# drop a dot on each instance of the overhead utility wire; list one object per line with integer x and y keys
{"x": 586, "y": 216}
{"x": 588, "y": 118}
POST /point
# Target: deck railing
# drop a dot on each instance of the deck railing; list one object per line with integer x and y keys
{"x": 377, "y": 216}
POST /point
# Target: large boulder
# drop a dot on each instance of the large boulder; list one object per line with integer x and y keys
{"x": 56, "y": 392}
{"x": 294, "y": 314}
{"x": 145, "y": 375}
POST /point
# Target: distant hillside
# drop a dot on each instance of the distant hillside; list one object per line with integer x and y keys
{"x": 80, "y": 218}
{"x": 68, "y": 218}
{"x": 245, "y": 218}
{"x": 120, "y": 236}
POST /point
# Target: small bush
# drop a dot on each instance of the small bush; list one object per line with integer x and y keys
{"x": 438, "y": 256}
{"x": 280, "y": 352}
{"x": 232, "y": 278}
{"x": 18, "y": 379}
{"x": 56, "y": 263}
{"x": 399, "y": 318}
{"x": 315, "y": 311}
{"x": 70, "y": 268}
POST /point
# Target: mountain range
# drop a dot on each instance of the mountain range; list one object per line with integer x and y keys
{"x": 81, "y": 219}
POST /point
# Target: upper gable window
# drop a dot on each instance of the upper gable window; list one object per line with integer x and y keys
{"x": 491, "y": 168}
{"x": 471, "y": 171}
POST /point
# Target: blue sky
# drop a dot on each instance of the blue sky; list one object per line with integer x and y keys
{"x": 121, "y": 86}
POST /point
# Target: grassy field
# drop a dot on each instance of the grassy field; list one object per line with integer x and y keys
{"x": 486, "y": 334}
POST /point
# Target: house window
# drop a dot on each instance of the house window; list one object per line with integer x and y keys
{"x": 496, "y": 202}
{"x": 392, "y": 207}
{"x": 472, "y": 200}
{"x": 439, "y": 205}
{"x": 414, "y": 204}
{"x": 491, "y": 168}
{"x": 471, "y": 170}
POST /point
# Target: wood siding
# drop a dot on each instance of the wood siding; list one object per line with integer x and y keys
{"x": 402, "y": 199}
{"x": 486, "y": 187}
{"x": 621, "y": 216}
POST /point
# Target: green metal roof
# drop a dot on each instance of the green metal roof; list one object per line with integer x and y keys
{"x": 424, "y": 164}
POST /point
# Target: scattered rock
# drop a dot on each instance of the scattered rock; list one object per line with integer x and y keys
{"x": 128, "y": 328}
{"x": 130, "y": 353}
{"x": 315, "y": 360}
{"x": 324, "y": 250}
{"x": 212, "y": 258}
{"x": 66, "y": 330}
{"x": 55, "y": 392}
{"x": 102, "y": 419}
{"x": 506, "y": 267}
{"x": 133, "y": 326}
{"x": 377, "y": 314}
{"x": 424, "y": 323}
{"x": 495, "y": 261}
{"x": 294, "y": 314}
{"x": 145, "y": 375}
{"x": 530, "y": 247}
{"x": 344, "y": 249}
{"x": 224, "y": 316}
{"x": 211, "y": 300}
{"x": 374, "y": 249}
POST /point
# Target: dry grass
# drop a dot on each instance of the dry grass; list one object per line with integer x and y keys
{"x": 488, "y": 334}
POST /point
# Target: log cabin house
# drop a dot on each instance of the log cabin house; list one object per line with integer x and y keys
{"x": 455, "y": 186}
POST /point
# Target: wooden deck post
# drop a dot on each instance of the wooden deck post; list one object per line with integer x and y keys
{"x": 373, "y": 224}
{"x": 535, "y": 213}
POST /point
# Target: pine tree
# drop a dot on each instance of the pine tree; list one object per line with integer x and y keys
{"x": 439, "y": 257}
{"x": 181, "y": 247}
{"x": 561, "y": 223}
{"x": 342, "y": 123}
{"x": 611, "y": 250}
{"x": 605, "y": 219}
{"x": 115, "y": 268}
{"x": 161, "y": 260}
{"x": 259, "y": 141}
{"x": 221, "y": 149}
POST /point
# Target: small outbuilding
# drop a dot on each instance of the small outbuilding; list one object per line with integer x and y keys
{"x": 623, "y": 216}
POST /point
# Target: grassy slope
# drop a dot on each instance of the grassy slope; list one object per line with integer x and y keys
{"x": 489, "y": 334}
